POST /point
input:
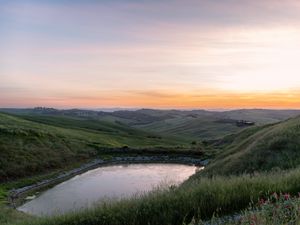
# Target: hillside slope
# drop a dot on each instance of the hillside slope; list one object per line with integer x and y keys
{"x": 194, "y": 125}
{"x": 259, "y": 149}
{"x": 28, "y": 147}
{"x": 199, "y": 124}
{"x": 194, "y": 128}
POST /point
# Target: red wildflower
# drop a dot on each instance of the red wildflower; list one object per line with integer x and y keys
{"x": 286, "y": 196}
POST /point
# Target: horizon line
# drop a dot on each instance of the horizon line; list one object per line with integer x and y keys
{"x": 150, "y": 108}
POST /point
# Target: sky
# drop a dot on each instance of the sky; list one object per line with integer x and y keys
{"x": 208, "y": 54}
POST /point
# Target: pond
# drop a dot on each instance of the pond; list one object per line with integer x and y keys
{"x": 106, "y": 183}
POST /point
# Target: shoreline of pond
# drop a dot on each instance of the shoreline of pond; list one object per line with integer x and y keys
{"x": 17, "y": 196}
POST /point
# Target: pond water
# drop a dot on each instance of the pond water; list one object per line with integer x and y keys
{"x": 106, "y": 183}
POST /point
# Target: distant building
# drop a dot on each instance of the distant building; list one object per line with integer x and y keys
{"x": 244, "y": 123}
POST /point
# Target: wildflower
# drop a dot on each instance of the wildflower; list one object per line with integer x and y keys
{"x": 286, "y": 196}
{"x": 275, "y": 195}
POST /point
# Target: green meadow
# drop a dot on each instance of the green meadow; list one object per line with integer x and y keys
{"x": 245, "y": 167}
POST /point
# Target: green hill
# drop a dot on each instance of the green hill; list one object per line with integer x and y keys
{"x": 33, "y": 144}
{"x": 259, "y": 149}
{"x": 200, "y": 124}
{"x": 193, "y": 128}
{"x": 40, "y": 139}
{"x": 261, "y": 116}
{"x": 194, "y": 125}
{"x": 30, "y": 144}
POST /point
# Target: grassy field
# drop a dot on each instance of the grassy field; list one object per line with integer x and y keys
{"x": 196, "y": 199}
{"x": 194, "y": 125}
{"x": 277, "y": 209}
{"x": 253, "y": 162}
{"x": 199, "y": 124}
{"x": 193, "y": 128}
{"x": 259, "y": 149}
{"x": 29, "y": 147}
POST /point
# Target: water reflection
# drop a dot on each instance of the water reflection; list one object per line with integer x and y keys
{"x": 104, "y": 183}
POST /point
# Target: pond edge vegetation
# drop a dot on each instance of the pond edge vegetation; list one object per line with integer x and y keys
{"x": 214, "y": 191}
{"x": 16, "y": 196}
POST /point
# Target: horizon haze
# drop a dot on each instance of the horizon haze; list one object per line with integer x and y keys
{"x": 150, "y": 54}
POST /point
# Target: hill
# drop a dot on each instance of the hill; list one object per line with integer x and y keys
{"x": 261, "y": 116}
{"x": 34, "y": 140}
{"x": 275, "y": 146}
{"x": 35, "y": 144}
{"x": 194, "y": 125}
{"x": 207, "y": 125}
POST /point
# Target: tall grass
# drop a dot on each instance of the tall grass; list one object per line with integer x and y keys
{"x": 262, "y": 149}
{"x": 278, "y": 209}
{"x": 9, "y": 216}
{"x": 29, "y": 148}
{"x": 198, "y": 199}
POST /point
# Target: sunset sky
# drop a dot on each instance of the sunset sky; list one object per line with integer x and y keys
{"x": 211, "y": 54}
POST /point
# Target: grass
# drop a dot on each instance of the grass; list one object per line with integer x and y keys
{"x": 277, "y": 209}
{"x": 8, "y": 216}
{"x": 197, "y": 198}
{"x": 29, "y": 147}
{"x": 192, "y": 128}
{"x": 102, "y": 133}
{"x": 259, "y": 149}
{"x": 205, "y": 125}
{"x": 86, "y": 124}
{"x": 194, "y": 125}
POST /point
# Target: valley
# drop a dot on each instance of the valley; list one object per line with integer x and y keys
{"x": 40, "y": 144}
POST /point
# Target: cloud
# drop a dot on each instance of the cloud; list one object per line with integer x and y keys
{"x": 168, "y": 52}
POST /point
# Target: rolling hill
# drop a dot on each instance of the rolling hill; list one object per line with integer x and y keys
{"x": 35, "y": 144}
{"x": 193, "y": 125}
{"x": 270, "y": 147}
{"x": 200, "y": 124}
{"x": 34, "y": 140}
{"x": 40, "y": 140}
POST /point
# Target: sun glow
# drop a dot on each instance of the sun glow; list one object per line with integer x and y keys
{"x": 218, "y": 55}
